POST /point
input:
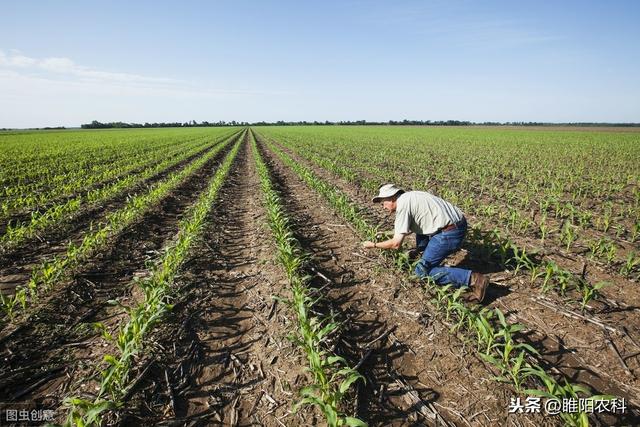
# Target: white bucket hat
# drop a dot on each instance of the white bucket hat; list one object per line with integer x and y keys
{"x": 386, "y": 191}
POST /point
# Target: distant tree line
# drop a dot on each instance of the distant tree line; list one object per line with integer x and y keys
{"x": 44, "y": 128}
{"x": 99, "y": 125}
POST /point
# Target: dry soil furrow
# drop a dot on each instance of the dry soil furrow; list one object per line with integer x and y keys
{"x": 58, "y": 337}
{"x": 16, "y": 264}
{"x": 224, "y": 348}
{"x": 412, "y": 346}
{"x": 579, "y": 349}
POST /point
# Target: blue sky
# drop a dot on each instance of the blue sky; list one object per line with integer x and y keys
{"x": 70, "y": 62}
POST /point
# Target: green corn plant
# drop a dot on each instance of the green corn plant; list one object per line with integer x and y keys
{"x": 8, "y": 302}
{"x": 550, "y": 270}
{"x": 489, "y": 210}
{"x": 504, "y": 248}
{"x": 402, "y": 261}
{"x": 590, "y": 292}
{"x": 441, "y": 296}
{"x": 544, "y": 205}
{"x": 332, "y": 375}
{"x": 596, "y": 247}
{"x": 570, "y": 212}
{"x": 521, "y": 259}
{"x": 535, "y": 273}
{"x": 632, "y": 261}
{"x": 514, "y": 217}
{"x": 515, "y": 371}
{"x": 102, "y": 330}
{"x": 525, "y": 225}
{"x": 506, "y": 332}
{"x": 607, "y": 218}
{"x": 497, "y": 363}
{"x": 619, "y": 230}
{"x": 464, "y": 316}
{"x": 610, "y": 253}
{"x": 568, "y": 234}
{"x": 453, "y": 302}
{"x": 584, "y": 218}
{"x": 84, "y": 412}
{"x": 564, "y": 280}
{"x": 486, "y": 333}
{"x": 557, "y": 392}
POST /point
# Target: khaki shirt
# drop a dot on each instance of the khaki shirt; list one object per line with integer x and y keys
{"x": 423, "y": 213}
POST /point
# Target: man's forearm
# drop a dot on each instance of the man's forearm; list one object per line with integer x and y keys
{"x": 394, "y": 243}
{"x": 387, "y": 244}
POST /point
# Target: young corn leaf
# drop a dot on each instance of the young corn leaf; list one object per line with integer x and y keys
{"x": 354, "y": 422}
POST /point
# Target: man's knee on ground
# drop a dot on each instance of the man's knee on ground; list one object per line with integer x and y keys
{"x": 422, "y": 269}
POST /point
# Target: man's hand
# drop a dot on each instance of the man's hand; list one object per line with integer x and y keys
{"x": 368, "y": 245}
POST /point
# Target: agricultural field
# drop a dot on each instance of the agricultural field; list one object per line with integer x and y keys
{"x": 216, "y": 276}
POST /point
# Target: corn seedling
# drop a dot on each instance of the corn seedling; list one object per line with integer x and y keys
{"x": 143, "y": 317}
{"x": 555, "y": 391}
{"x": 632, "y": 261}
{"x": 568, "y": 234}
{"x": 332, "y": 375}
{"x": 590, "y": 292}
{"x": 495, "y": 337}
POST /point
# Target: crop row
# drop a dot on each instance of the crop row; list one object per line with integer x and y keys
{"x": 45, "y": 276}
{"x": 20, "y": 197}
{"x": 495, "y": 179}
{"x": 157, "y": 290}
{"x": 495, "y": 337}
{"x": 332, "y": 376}
{"x": 24, "y": 198}
{"x": 499, "y": 244}
{"x": 41, "y": 159}
{"x": 497, "y": 163}
{"x": 40, "y": 221}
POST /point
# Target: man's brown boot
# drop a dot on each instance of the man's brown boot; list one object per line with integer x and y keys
{"x": 479, "y": 285}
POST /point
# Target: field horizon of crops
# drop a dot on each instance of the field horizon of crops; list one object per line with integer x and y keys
{"x": 240, "y": 250}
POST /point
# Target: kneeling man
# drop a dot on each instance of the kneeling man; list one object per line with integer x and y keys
{"x": 440, "y": 228}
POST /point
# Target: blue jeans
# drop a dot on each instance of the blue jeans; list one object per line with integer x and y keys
{"x": 436, "y": 248}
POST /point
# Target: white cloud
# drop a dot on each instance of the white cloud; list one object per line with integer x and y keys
{"x": 59, "y": 65}
{"x": 57, "y": 91}
{"x": 16, "y": 60}
{"x": 65, "y": 67}
{"x": 64, "y": 71}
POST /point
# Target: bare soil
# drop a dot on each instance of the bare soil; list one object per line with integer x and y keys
{"x": 56, "y": 348}
{"x": 222, "y": 356}
{"x": 417, "y": 369}
{"x": 578, "y": 349}
{"x": 225, "y": 347}
{"x": 16, "y": 263}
